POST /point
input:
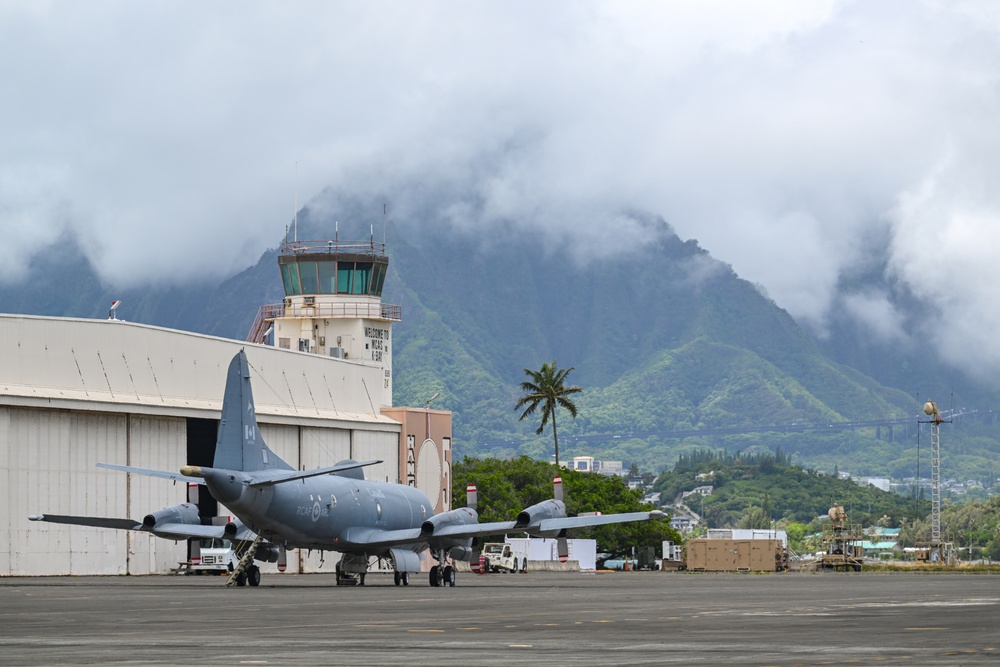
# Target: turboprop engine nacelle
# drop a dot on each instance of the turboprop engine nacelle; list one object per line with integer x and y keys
{"x": 461, "y": 553}
{"x": 185, "y": 513}
{"x": 267, "y": 553}
{"x": 463, "y": 516}
{"x": 548, "y": 509}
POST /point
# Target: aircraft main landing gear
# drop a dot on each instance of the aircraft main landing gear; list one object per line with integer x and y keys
{"x": 245, "y": 571}
{"x": 441, "y": 574}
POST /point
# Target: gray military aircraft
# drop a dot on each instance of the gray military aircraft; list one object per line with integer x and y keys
{"x": 327, "y": 509}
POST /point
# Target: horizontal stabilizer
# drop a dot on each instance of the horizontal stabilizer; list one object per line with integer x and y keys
{"x": 165, "y": 474}
{"x": 272, "y": 477}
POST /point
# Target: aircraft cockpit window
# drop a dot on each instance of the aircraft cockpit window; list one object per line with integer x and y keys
{"x": 423, "y": 512}
{"x": 378, "y": 510}
{"x": 333, "y": 501}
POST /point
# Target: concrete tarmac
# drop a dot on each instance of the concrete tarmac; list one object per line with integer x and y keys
{"x": 647, "y": 618}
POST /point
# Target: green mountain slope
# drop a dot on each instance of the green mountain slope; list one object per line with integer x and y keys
{"x": 663, "y": 338}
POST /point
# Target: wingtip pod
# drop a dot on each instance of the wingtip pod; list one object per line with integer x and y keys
{"x": 36, "y": 517}
{"x": 192, "y": 471}
{"x": 657, "y": 514}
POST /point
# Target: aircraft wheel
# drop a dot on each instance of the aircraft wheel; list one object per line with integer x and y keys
{"x": 524, "y": 565}
{"x": 361, "y": 579}
{"x": 435, "y": 581}
{"x": 253, "y": 575}
{"x": 397, "y": 578}
{"x": 241, "y": 579}
{"x": 449, "y": 576}
{"x": 406, "y": 578}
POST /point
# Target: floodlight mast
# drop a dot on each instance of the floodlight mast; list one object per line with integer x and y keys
{"x": 931, "y": 410}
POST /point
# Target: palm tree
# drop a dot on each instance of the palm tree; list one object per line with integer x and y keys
{"x": 547, "y": 388}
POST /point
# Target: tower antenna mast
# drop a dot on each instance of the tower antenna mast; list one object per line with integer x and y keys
{"x": 937, "y": 545}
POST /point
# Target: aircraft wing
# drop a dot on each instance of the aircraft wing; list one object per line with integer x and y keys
{"x": 169, "y": 531}
{"x": 478, "y": 530}
{"x": 92, "y": 521}
{"x": 546, "y": 525}
{"x": 165, "y": 474}
{"x": 543, "y": 526}
{"x": 374, "y": 537}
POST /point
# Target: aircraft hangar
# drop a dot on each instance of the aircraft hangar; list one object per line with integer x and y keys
{"x": 76, "y": 392}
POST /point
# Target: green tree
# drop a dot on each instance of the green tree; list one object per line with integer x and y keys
{"x": 547, "y": 388}
{"x": 505, "y": 487}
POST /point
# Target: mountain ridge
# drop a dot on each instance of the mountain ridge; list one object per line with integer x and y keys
{"x": 661, "y": 335}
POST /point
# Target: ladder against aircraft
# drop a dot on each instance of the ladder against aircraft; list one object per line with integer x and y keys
{"x": 383, "y": 522}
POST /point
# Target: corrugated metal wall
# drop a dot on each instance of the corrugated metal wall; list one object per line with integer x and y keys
{"x": 158, "y": 443}
{"x": 378, "y": 445}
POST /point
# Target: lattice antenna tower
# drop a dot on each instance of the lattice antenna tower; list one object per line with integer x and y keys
{"x": 931, "y": 410}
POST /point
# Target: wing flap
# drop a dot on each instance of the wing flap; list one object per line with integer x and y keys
{"x": 182, "y": 531}
{"x": 477, "y": 530}
{"x": 373, "y": 537}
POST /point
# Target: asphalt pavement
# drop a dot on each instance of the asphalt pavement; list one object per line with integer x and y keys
{"x": 641, "y": 618}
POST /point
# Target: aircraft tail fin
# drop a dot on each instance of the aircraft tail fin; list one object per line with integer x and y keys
{"x": 240, "y": 445}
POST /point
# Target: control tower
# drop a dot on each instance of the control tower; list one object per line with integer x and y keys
{"x": 333, "y": 305}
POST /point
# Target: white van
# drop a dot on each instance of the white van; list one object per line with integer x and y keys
{"x": 216, "y": 556}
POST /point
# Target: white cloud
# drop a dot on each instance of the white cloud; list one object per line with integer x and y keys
{"x": 782, "y": 135}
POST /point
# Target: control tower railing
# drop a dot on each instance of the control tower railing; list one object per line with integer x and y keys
{"x": 370, "y": 247}
{"x": 363, "y": 309}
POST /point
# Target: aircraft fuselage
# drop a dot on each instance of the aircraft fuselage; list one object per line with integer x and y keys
{"x": 320, "y": 512}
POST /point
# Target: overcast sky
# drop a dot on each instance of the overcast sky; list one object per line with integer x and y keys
{"x": 792, "y": 139}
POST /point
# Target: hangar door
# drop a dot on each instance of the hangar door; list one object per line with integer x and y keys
{"x": 378, "y": 445}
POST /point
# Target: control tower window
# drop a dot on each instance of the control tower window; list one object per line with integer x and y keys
{"x": 344, "y": 271}
{"x": 327, "y": 277}
{"x": 362, "y": 278}
{"x": 290, "y": 277}
{"x": 307, "y": 273}
{"x": 378, "y": 279}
